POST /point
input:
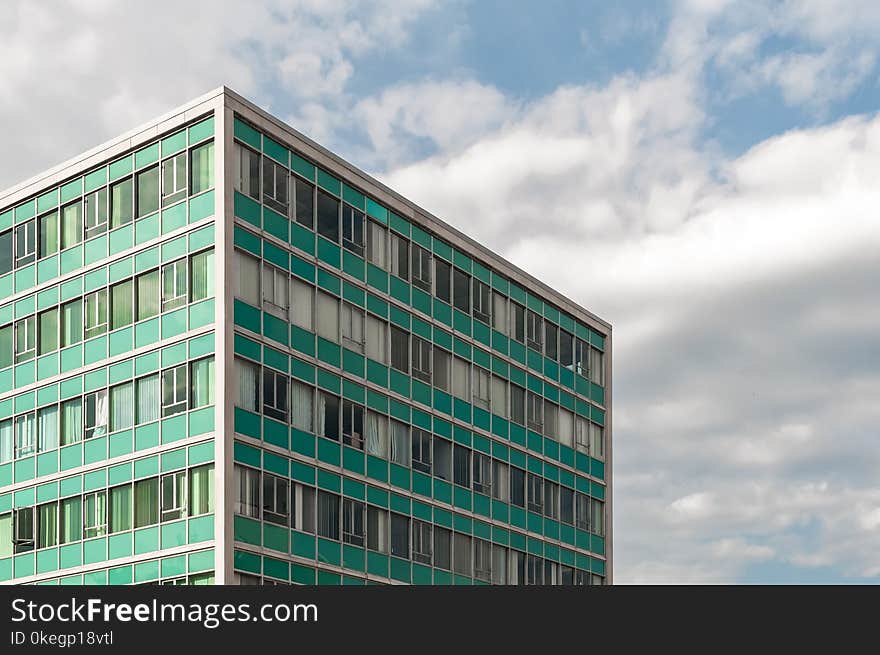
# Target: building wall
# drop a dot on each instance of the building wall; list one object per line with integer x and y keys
{"x": 84, "y": 426}
{"x": 283, "y": 343}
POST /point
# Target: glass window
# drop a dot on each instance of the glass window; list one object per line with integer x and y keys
{"x": 248, "y": 385}
{"x": 551, "y": 340}
{"x": 482, "y": 303}
{"x": 597, "y": 368}
{"x": 248, "y": 279}
{"x": 301, "y": 406}
{"x": 146, "y": 502}
{"x": 442, "y": 458}
{"x": 442, "y": 548}
{"x": 421, "y": 451}
{"x": 461, "y": 290}
{"x": 551, "y": 499}
{"x": 23, "y": 539}
{"x": 70, "y": 523}
{"x": 71, "y": 225}
{"x": 421, "y": 268}
{"x": 399, "y": 256}
{"x": 328, "y": 416}
{"x": 275, "y": 186}
{"x": 498, "y": 393}
{"x": 327, "y": 310}
{"x": 96, "y": 213}
{"x": 499, "y": 313}
{"x": 377, "y": 529}
{"x": 148, "y": 292}
{"x": 48, "y": 331}
{"x": 400, "y": 450}
{"x": 94, "y": 515}
{"x": 71, "y": 421}
{"x": 461, "y": 379}
{"x": 328, "y": 216}
{"x": 25, "y": 434}
{"x": 47, "y": 530}
{"x": 482, "y": 560}
{"x": 301, "y": 299}
{"x": 481, "y": 387}
{"x": 353, "y": 237}
{"x": 535, "y": 411}
{"x": 174, "y": 496}
{"x": 25, "y": 339}
{"x": 566, "y": 349}
{"x": 7, "y": 447}
{"x": 461, "y": 552}
{"x": 49, "y": 236}
{"x": 149, "y": 399}
{"x": 353, "y": 522}
{"x": 565, "y": 427}
{"x": 534, "y": 330}
{"x": 376, "y": 339}
{"x": 6, "y": 254}
{"x": 517, "y": 404}
{"x": 377, "y": 237}
{"x": 276, "y": 497}
{"x": 421, "y": 359}
{"x": 518, "y": 317}
{"x": 120, "y": 508}
{"x": 441, "y": 368}
{"x": 247, "y": 492}
{"x": 202, "y": 382}
{"x": 247, "y": 171}
{"x": 482, "y": 473}
{"x": 517, "y": 486}
{"x": 399, "y": 535}
{"x": 121, "y": 203}
{"x": 276, "y": 293}
{"x": 7, "y": 345}
{"x": 597, "y": 441}
{"x": 95, "y": 313}
{"x": 500, "y": 481}
{"x": 202, "y": 167}
{"x": 305, "y": 203}
{"x": 328, "y": 515}
{"x": 121, "y": 406}
{"x": 377, "y": 435}
{"x": 121, "y": 304}
{"x": 461, "y": 465}
{"x": 275, "y": 394}
{"x": 352, "y": 327}
{"x": 566, "y": 505}
{"x": 353, "y": 424}
{"x": 550, "y": 419}
{"x": 422, "y": 542}
{"x": 25, "y": 243}
{"x": 303, "y": 508}
{"x": 443, "y": 285}
{"x": 202, "y": 275}
{"x": 174, "y": 179}
{"x": 174, "y": 390}
{"x": 96, "y": 413}
{"x": 201, "y": 490}
{"x": 399, "y": 349}
{"x": 147, "y": 191}
{"x": 174, "y": 285}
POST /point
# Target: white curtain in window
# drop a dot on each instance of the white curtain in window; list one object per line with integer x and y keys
{"x": 24, "y": 434}
{"x": 203, "y": 382}
{"x": 301, "y": 406}
{"x": 248, "y": 287}
{"x": 322, "y": 406}
{"x": 48, "y": 428}
{"x": 148, "y": 399}
{"x": 301, "y": 304}
{"x": 566, "y": 427}
{"x": 6, "y": 447}
{"x": 399, "y": 443}
{"x": 71, "y": 420}
{"x": 121, "y": 407}
{"x": 248, "y": 379}
{"x": 377, "y": 435}
{"x": 328, "y": 317}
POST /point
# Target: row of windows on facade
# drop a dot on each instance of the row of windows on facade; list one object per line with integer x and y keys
{"x": 139, "y": 504}
{"x": 409, "y": 261}
{"x": 267, "y": 392}
{"x": 433, "y": 455}
{"x": 332, "y": 516}
{"x": 107, "y": 208}
{"x": 100, "y": 412}
{"x": 133, "y": 299}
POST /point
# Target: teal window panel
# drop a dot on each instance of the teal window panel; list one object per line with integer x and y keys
{"x": 401, "y": 570}
{"x": 95, "y": 249}
{"x": 25, "y": 278}
{"x": 421, "y": 392}
{"x": 247, "y": 423}
{"x": 352, "y": 362}
{"x": 247, "y": 347}
{"x": 70, "y": 555}
{"x": 302, "y": 340}
{"x": 462, "y": 410}
{"x": 275, "y": 538}
{"x": 143, "y": 157}
{"x": 247, "y": 209}
{"x": 302, "y": 472}
{"x": 330, "y": 253}
{"x": 247, "y": 134}
{"x": 353, "y": 265}
{"x": 95, "y": 550}
{"x": 246, "y": 316}
{"x": 276, "y": 329}
{"x": 302, "y": 238}
{"x": 174, "y": 217}
{"x": 276, "y": 433}
{"x": 146, "y": 436}
{"x": 276, "y": 151}
{"x": 482, "y": 333}
{"x": 329, "y": 282}
{"x": 442, "y": 491}
{"x": 246, "y": 530}
{"x": 482, "y": 505}
{"x": 47, "y": 366}
{"x": 24, "y": 565}
{"x": 328, "y": 182}
{"x": 47, "y": 560}
{"x": 421, "y": 484}
{"x": 201, "y": 529}
{"x": 302, "y": 370}
{"x": 47, "y": 269}
{"x": 377, "y": 468}
{"x": 500, "y": 427}
{"x": 95, "y": 450}
{"x": 400, "y": 290}
{"x": 147, "y": 332}
{"x": 377, "y": 564}
{"x": 328, "y": 451}
{"x": 247, "y": 562}
{"x": 276, "y": 225}
{"x": 121, "y": 167}
{"x": 302, "y": 268}
{"x": 303, "y": 545}
{"x": 121, "y": 443}
{"x": 146, "y": 228}
{"x": 517, "y": 517}
{"x": 25, "y": 211}
{"x": 201, "y": 131}
{"x": 329, "y": 381}
{"x": 146, "y": 540}
{"x": 461, "y": 497}
{"x": 377, "y": 373}
{"x": 329, "y": 552}
{"x": 95, "y": 350}
{"x": 377, "y": 278}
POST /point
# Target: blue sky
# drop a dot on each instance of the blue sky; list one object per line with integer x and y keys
{"x": 702, "y": 173}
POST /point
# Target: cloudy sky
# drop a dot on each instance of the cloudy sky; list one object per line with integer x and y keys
{"x": 703, "y": 174}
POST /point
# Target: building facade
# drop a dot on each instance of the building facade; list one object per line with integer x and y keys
{"x": 227, "y": 356}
